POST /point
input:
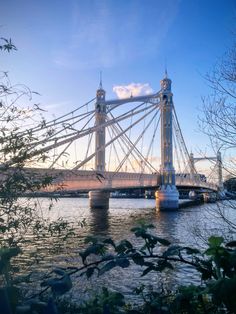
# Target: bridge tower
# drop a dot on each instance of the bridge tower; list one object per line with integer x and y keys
{"x": 99, "y": 198}
{"x": 100, "y": 135}
{"x": 167, "y": 197}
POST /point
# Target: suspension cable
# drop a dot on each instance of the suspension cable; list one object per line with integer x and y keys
{"x": 111, "y": 141}
{"x": 52, "y": 122}
{"x": 130, "y": 143}
{"x": 117, "y": 155}
{"x": 177, "y": 154}
{"x": 77, "y": 134}
{"x": 183, "y": 156}
{"x": 136, "y": 142}
{"x": 126, "y": 144}
{"x": 180, "y": 133}
{"x": 152, "y": 140}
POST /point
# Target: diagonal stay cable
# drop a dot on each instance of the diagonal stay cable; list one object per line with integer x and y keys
{"x": 57, "y": 120}
{"x": 112, "y": 140}
{"x": 92, "y": 129}
{"x": 152, "y": 140}
{"x": 130, "y": 143}
{"x": 71, "y": 137}
{"x": 134, "y": 149}
{"x": 117, "y": 155}
{"x": 122, "y": 148}
{"x": 137, "y": 141}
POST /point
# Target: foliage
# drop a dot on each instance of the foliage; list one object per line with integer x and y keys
{"x": 105, "y": 302}
{"x": 230, "y": 184}
{"x": 218, "y": 122}
{"x": 20, "y": 218}
{"x": 216, "y": 267}
{"x": 219, "y": 108}
{"x": 7, "y": 44}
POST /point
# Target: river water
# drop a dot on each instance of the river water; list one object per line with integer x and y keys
{"x": 190, "y": 226}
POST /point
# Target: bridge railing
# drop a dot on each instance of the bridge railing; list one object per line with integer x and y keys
{"x": 85, "y": 180}
{"x": 186, "y": 181}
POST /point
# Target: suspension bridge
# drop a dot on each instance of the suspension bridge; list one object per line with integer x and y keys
{"x": 106, "y": 145}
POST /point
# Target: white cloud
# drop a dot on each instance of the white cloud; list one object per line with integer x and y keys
{"x": 132, "y": 89}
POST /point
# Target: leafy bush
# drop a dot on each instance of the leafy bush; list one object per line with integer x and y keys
{"x": 216, "y": 267}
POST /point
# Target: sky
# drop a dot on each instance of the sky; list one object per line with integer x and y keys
{"x": 62, "y": 46}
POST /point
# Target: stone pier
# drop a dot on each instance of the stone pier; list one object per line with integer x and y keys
{"x": 167, "y": 198}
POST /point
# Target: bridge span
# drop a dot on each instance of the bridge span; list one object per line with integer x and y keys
{"x": 89, "y": 180}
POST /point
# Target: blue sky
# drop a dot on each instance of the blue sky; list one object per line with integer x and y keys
{"x": 64, "y": 44}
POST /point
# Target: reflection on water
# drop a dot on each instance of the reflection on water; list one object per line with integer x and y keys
{"x": 180, "y": 227}
{"x": 99, "y": 221}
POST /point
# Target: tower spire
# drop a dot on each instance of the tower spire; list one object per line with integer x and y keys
{"x": 100, "y": 83}
{"x": 100, "y": 91}
{"x": 166, "y": 74}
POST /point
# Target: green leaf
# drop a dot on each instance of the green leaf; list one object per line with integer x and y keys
{"x": 109, "y": 241}
{"x": 97, "y": 249}
{"x": 127, "y": 244}
{"x": 162, "y": 241}
{"x": 216, "y": 251}
{"x": 231, "y": 244}
{"x": 190, "y": 250}
{"x": 172, "y": 250}
{"x": 138, "y": 259}
{"x": 123, "y": 246}
{"x": 89, "y": 272}
{"x": 6, "y": 254}
{"x": 123, "y": 262}
{"x": 108, "y": 266}
{"x": 91, "y": 239}
{"x": 223, "y": 291}
{"x": 59, "y": 286}
{"x": 147, "y": 270}
{"x": 211, "y": 251}
{"x": 206, "y": 274}
{"x": 9, "y": 296}
{"x": 215, "y": 241}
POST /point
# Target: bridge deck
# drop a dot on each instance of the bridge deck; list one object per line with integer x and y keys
{"x": 87, "y": 180}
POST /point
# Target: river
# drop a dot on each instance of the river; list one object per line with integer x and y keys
{"x": 189, "y": 226}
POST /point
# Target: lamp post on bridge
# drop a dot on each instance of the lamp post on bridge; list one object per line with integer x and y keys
{"x": 167, "y": 197}
{"x": 100, "y": 198}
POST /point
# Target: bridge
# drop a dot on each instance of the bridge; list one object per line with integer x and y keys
{"x": 105, "y": 145}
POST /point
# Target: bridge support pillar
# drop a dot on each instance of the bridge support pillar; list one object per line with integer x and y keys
{"x": 99, "y": 199}
{"x": 167, "y": 198}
